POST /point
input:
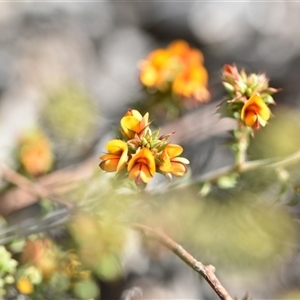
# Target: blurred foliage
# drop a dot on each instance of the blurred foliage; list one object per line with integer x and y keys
{"x": 71, "y": 118}
{"x": 8, "y": 267}
{"x": 236, "y": 231}
{"x": 280, "y": 138}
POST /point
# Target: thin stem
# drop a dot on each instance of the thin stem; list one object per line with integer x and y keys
{"x": 206, "y": 271}
{"x": 242, "y": 136}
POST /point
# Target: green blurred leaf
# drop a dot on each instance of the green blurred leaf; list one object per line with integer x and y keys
{"x": 109, "y": 267}
{"x": 86, "y": 289}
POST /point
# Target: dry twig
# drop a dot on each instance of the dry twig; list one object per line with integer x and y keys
{"x": 206, "y": 271}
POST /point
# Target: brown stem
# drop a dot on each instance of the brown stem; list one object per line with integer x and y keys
{"x": 206, "y": 271}
{"x": 30, "y": 187}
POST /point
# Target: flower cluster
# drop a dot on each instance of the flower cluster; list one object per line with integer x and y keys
{"x": 178, "y": 68}
{"x": 42, "y": 261}
{"x": 141, "y": 153}
{"x": 248, "y": 97}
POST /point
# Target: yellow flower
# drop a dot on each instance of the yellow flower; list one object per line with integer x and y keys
{"x": 134, "y": 123}
{"x": 25, "y": 286}
{"x": 192, "y": 83}
{"x": 171, "y": 163}
{"x": 117, "y": 157}
{"x": 255, "y": 112}
{"x": 141, "y": 167}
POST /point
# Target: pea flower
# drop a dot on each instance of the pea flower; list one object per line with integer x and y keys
{"x": 142, "y": 166}
{"x": 116, "y": 159}
{"x": 255, "y": 112}
{"x": 171, "y": 163}
{"x": 248, "y": 97}
{"x": 134, "y": 123}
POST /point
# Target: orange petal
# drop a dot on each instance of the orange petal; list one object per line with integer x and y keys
{"x": 134, "y": 172}
{"x": 109, "y": 156}
{"x": 109, "y": 165}
{"x": 146, "y": 157}
{"x": 250, "y": 118}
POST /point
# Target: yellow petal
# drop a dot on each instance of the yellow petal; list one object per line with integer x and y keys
{"x": 130, "y": 125}
{"x": 136, "y": 113}
{"x": 173, "y": 150}
{"x": 149, "y": 76}
{"x": 116, "y": 146}
{"x": 123, "y": 160}
{"x": 261, "y": 121}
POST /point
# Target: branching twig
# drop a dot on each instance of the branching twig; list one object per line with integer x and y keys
{"x": 206, "y": 271}
{"x": 30, "y": 187}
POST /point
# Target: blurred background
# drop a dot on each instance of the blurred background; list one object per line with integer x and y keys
{"x": 72, "y": 69}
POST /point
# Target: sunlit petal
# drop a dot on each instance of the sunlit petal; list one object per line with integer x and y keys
{"x": 173, "y": 150}
{"x": 116, "y": 146}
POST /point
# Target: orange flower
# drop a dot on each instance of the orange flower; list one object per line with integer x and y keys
{"x": 116, "y": 159}
{"x": 25, "y": 286}
{"x": 142, "y": 166}
{"x": 171, "y": 163}
{"x": 255, "y": 112}
{"x": 35, "y": 153}
{"x": 192, "y": 83}
{"x": 187, "y": 55}
{"x": 161, "y": 66}
{"x": 134, "y": 123}
{"x": 154, "y": 70}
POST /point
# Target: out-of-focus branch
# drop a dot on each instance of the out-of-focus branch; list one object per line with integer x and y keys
{"x": 28, "y": 187}
{"x": 206, "y": 271}
{"x": 247, "y": 166}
